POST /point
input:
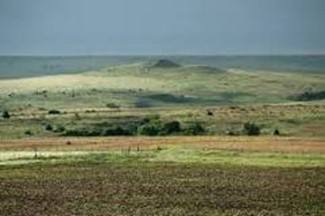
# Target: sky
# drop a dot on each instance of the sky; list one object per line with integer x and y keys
{"x": 162, "y": 27}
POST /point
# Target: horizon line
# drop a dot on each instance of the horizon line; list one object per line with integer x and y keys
{"x": 158, "y": 55}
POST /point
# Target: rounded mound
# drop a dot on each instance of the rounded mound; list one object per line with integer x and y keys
{"x": 165, "y": 63}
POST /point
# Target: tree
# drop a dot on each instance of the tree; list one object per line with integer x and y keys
{"x": 54, "y": 112}
{"x": 209, "y": 113}
{"x": 48, "y": 127}
{"x": 195, "y": 129}
{"x": 251, "y": 129}
{"x": 171, "y": 128}
{"x": 5, "y": 114}
{"x": 112, "y": 106}
{"x": 148, "y": 130}
{"x": 276, "y": 132}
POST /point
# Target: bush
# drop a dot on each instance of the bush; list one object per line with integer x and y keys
{"x": 83, "y": 132}
{"x": 142, "y": 104}
{"x": 233, "y": 132}
{"x": 251, "y": 129}
{"x": 195, "y": 129}
{"x": 75, "y": 132}
{"x": 149, "y": 130}
{"x": 170, "y": 128}
{"x": 5, "y": 114}
{"x": 114, "y": 131}
{"x": 112, "y": 106}
{"x": 54, "y": 112}
{"x": 48, "y": 127}
{"x": 209, "y": 113}
{"x": 145, "y": 120}
{"x": 28, "y": 132}
{"x": 117, "y": 131}
{"x": 309, "y": 96}
{"x": 150, "y": 118}
{"x": 59, "y": 129}
{"x": 276, "y": 132}
{"x": 149, "y": 126}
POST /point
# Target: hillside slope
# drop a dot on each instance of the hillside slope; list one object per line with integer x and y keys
{"x": 147, "y": 85}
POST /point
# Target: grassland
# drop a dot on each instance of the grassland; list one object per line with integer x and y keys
{"x": 296, "y": 119}
{"x": 139, "y": 85}
{"x": 259, "y": 151}
{"x": 185, "y": 93}
{"x": 44, "y": 170}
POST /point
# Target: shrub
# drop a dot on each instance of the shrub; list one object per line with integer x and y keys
{"x": 5, "y": 114}
{"x": 90, "y": 111}
{"x": 112, "y": 106}
{"x": 276, "y": 132}
{"x": 153, "y": 118}
{"x": 145, "y": 120}
{"x": 209, "y": 113}
{"x": 251, "y": 129}
{"x": 170, "y": 128}
{"x": 195, "y": 129}
{"x": 117, "y": 131}
{"x": 149, "y": 130}
{"x": 59, "y": 129}
{"x": 114, "y": 131}
{"x": 309, "y": 96}
{"x": 233, "y": 133}
{"x": 54, "y": 112}
{"x": 83, "y": 132}
{"x": 28, "y": 132}
{"x": 94, "y": 132}
{"x": 142, "y": 104}
{"x": 48, "y": 127}
{"x": 74, "y": 133}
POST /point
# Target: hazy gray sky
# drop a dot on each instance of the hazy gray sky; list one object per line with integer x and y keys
{"x": 86, "y": 27}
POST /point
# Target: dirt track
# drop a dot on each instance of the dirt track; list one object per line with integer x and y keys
{"x": 263, "y": 144}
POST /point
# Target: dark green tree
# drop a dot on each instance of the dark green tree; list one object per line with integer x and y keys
{"x": 276, "y": 132}
{"x": 251, "y": 129}
{"x": 195, "y": 129}
{"x": 5, "y": 114}
{"x": 172, "y": 127}
{"x": 149, "y": 130}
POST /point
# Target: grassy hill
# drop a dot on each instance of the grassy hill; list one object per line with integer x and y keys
{"x": 123, "y": 94}
{"x": 148, "y": 85}
{"x": 33, "y": 66}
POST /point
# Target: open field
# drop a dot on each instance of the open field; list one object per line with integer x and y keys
{"x": 163, "y": 176}
{"x": 171, "y": 181}
{"x": 250, "y": 144}
{"x": 162, "y": 139}
{"x": 266, "y": 151}
{"x": 160, "y": 189}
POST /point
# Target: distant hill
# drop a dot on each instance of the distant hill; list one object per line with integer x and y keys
{"x": 165, "y": 83}
{"x": 165, "y": 63}
{"x": 33, "y": 66}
